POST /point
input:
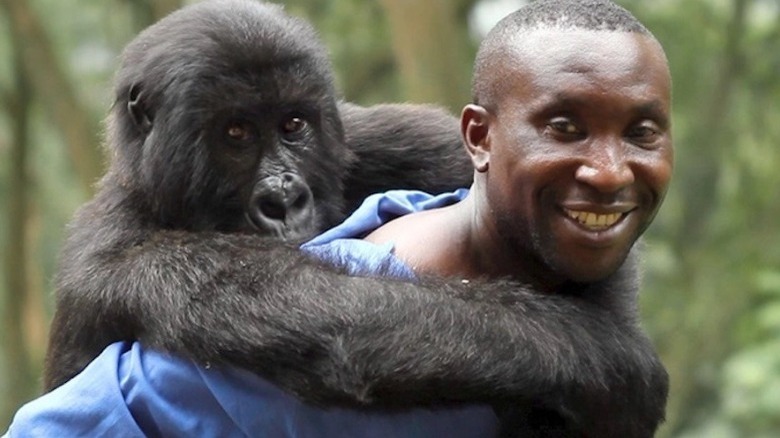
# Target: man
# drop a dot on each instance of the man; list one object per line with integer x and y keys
{"x": 570, "y": 138}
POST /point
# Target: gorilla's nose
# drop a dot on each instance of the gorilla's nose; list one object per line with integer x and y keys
{"x": 282, "y": 205}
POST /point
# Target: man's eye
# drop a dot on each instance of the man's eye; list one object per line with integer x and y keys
{"x": 563, "y": 125}
{"x": 645, "y": 132}
{"x": 642, "y": 131}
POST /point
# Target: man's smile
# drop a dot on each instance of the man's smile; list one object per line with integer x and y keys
{"x": 592, "y": 220}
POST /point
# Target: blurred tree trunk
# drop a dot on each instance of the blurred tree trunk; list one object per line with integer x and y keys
{"x": 431, "y": 43}
{"x": 52, "y": 86}
{"x": 703, "y": 173}
{"x": 711, "y": 306}
{"x": 22, "y": 382}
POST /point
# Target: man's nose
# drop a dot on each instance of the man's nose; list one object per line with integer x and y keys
{"x": 606, "y": 168}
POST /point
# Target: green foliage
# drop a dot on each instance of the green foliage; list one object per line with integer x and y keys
{"x": 357, "y": 36}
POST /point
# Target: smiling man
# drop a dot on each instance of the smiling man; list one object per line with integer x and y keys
{"x": 570, "y": 138}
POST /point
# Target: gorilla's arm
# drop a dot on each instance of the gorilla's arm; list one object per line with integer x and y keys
{"x": 403, "y": 146}
{"x": 253, "y": 302}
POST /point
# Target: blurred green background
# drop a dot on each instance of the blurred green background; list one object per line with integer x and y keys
{"x": 712, "y": 286}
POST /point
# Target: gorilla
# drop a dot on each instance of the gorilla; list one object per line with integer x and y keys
{"x": 228, "y": 147}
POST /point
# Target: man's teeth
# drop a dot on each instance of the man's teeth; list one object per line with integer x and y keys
{"x": 594, "y": 220}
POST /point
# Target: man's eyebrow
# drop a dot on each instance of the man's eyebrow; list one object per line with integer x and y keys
{"x": 558, "y": 102}
{"x": 654, "y": 109}
{"x": 565, "y": 99}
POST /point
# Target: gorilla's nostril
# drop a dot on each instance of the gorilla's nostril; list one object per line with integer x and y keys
{"x": 273, "y": 210}
{"x": 301, "y": 201}
{"x": 281, "y": 203}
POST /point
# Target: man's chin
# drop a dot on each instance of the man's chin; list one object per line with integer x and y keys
{"x": 591, "y": 268}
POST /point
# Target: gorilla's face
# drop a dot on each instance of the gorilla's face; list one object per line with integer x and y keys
{"x": 272, "y": 192}
{"x": 235, "y": 130}
{"x": 278, "y": 163}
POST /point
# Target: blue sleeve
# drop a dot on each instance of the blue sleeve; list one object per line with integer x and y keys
{"x": 91, "y": 404}
{"x": 131, "y": 392}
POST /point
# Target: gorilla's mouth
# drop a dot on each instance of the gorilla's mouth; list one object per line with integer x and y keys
{"x": 280, "y": 229}
{"x": 266, "y": 227}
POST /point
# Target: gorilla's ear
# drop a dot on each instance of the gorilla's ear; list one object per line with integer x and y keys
{"x": 136, "y": 106}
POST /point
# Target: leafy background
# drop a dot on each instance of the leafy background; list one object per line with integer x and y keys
{"x": 711, "y": 297}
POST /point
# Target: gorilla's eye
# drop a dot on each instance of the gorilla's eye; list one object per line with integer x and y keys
{"x": 238, "y": 130}
{"x": 293, "y": 125}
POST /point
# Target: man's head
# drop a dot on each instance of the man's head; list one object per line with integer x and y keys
{"x": 570, "y": 135}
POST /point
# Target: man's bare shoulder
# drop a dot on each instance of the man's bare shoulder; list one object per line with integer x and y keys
{"x": 400, "y": 230}
{"x": 423, "y": 240}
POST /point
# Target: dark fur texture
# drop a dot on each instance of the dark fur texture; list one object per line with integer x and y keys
{"x": 403, "y": 147}
{"x": 168, "y": 252}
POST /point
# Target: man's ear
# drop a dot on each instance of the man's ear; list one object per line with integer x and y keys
{"x": 474, "y": 127}
{"x": 137, "y": 108}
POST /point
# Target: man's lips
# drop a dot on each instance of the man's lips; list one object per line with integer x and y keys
{"x": 594, "y": 221}
{"x": 598, "y": 217}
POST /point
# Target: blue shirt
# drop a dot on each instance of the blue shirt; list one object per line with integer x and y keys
{"x": 131, "y": 392}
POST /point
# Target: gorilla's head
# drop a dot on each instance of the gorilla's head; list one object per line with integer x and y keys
{"x": 229, "y": 122}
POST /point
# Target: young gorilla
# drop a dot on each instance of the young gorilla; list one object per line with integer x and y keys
{"x": 225, "y": 136}
{"x": 269, "y": 159}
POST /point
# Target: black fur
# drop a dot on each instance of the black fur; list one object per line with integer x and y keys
{"x": 403, "y": 147}
{"x": 175, "y": 251}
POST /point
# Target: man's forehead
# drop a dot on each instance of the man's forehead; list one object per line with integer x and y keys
{"x": 544, "y": 66}
{"x": 542, "y": 54}
{"x": 577, "y": 49}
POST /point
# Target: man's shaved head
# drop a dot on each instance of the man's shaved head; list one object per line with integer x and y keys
{"x": 595, "y": 15}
